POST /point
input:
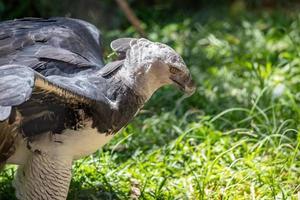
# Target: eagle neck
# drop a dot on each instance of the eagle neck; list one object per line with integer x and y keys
{"x": 111, "y": 119}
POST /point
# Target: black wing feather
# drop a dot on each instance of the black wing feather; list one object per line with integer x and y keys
{"x": 52, "y": 56}
{"x": 111, "y": 67}
{"x": 17, "y": 84}
{"x": 34, "y": 42}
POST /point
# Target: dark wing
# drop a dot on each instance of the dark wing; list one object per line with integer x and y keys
{"x": 111, "y": 67}
{"x": 45, "y": 57}
{"x": 55, "y": 46}
{"x": 18, "y": 82}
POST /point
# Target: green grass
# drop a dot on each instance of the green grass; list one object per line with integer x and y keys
{"x": 236, "y": 138}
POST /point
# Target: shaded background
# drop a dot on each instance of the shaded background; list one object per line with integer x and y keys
{"x": 244, "y": 57}
{"x": 106, "y": 14}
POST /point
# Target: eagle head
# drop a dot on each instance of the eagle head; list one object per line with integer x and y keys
{"x": 150, "y": 65}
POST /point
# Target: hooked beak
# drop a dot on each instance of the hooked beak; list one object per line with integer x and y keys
{"x": 184, "y": 83}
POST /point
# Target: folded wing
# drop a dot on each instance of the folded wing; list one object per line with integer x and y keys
{"x": 17, "y": 83}
{"x": 41, "y": 43}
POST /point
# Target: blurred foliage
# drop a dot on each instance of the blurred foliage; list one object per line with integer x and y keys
{"x": 236, "y": 138}
{"x": 106, "y": 14}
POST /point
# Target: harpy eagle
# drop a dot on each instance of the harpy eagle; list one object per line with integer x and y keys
{"x": 60, "y": 102}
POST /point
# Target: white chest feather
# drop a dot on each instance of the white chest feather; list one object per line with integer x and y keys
{"x": 79, "y": 144}
{"x": 68, "y": 145}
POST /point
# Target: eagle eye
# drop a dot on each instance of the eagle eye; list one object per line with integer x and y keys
{"x": 174, "y": 70}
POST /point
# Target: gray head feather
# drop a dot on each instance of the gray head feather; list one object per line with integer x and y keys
{"x": 147, "y": 67}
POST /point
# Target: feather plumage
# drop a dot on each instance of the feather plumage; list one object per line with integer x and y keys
{"x": 58, "y": 99}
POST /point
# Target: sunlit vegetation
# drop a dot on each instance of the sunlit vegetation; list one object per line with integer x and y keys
{"x": 236, "y": 138}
